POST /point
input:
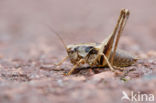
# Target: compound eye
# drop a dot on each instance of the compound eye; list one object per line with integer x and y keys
{"x": 76, "y": 49}
{"x": 72, "y": 50}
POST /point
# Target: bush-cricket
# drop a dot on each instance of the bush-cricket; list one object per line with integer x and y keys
{"x": 101, "y": 54}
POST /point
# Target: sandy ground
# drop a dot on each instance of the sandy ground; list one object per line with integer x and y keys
{"x": 29, "y": 50}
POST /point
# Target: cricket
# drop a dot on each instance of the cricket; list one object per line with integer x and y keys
{"x": 104, "y": 54}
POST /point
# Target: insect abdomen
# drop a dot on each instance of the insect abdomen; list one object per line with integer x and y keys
{"x": 123, "y": 59}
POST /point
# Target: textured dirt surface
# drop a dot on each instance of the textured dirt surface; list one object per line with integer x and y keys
{"x": 29, "y": 50}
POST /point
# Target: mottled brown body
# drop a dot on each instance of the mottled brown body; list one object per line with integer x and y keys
{"x": 90, "y": 52}
{"x": 101, "y": 54}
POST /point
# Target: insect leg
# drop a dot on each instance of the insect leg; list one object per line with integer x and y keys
{"x": 65, "y": 58}
{"x": 106, "y": 59}
{"x": 109, "y": 42}
{"x": 74, "y": 67}
{"x": 122, "y": 24}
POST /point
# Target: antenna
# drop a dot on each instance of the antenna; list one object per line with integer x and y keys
{"x": 58, "y": 35}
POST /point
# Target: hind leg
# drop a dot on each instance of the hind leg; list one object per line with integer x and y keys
{"x": 121, "y": 24}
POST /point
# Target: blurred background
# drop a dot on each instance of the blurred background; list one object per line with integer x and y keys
{"x": 23, "y": 24}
